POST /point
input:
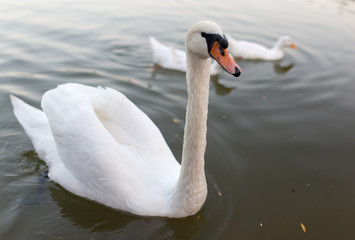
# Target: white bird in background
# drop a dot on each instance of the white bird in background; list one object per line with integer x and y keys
{"x": 175, "y": 59}
{"x": 99, "y": 145}
{"x": 255, "y": 51}
{"x": 171, "y": 58}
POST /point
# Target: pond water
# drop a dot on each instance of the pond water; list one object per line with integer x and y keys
{"x": 280, "y": 158}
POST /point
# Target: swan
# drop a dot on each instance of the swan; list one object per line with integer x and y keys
{"x": 99, "y": 145}
{"x": 172, "y": 58}
{"x": 255, "y": 51}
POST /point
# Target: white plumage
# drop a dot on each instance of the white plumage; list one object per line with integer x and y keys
{"x": 101, "y": 146}
{"x": 171, "y": 58}
{"x": 254, "y": 51}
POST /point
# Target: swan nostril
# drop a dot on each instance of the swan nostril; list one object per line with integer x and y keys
{"x": 221, "y": 50}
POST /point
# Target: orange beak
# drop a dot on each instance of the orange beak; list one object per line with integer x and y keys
{"x": 222, "y": 56}
{"x": 294, "y": 46}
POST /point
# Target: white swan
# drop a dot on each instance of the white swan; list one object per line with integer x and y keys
{"x": 254, "y": 51}
{"x": 100, "y": 146}
{"x": 172, "y": 58}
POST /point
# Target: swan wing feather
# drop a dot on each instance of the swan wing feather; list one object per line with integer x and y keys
{"x": 99, "y": 145}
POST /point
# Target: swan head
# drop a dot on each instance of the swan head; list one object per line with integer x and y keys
{"x": 206, "y": 39}
{"x": 286, "y": 41}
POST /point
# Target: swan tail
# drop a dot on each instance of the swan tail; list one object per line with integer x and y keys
{"x": 154, "y": 45}
{"x": 153, "y": 42}
{"x": 36, "y": 126}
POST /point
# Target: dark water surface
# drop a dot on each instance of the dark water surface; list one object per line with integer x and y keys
{"x": 281, "y": 139}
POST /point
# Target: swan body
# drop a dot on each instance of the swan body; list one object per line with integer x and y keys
{"x": 255, "y": 51}
{"x": 99, "y": 145}
{"x": 86, "y": 136}
{"x": 171, "y": 58}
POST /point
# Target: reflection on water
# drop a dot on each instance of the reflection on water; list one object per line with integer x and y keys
{"x": 94, "y": 217}
{"x": 281, "y": 69}
{"x": 97, "y": 218}
{"x": 40, "y": 194}
{"x": 220, "y": 88}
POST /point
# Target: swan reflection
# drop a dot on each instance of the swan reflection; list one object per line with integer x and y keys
{"x": 97, "y": 218}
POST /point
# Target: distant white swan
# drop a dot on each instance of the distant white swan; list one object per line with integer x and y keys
{"x": 172, "y": 58}
{"x": 255, "y": 51}
{"x": 100, "y": 146}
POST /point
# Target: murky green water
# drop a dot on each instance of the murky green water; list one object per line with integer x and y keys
{"x": 281, "y": 140}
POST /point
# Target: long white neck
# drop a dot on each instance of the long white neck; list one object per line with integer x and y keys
{"x": 278, "y": 46}
{"x": 191, "y": 189}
